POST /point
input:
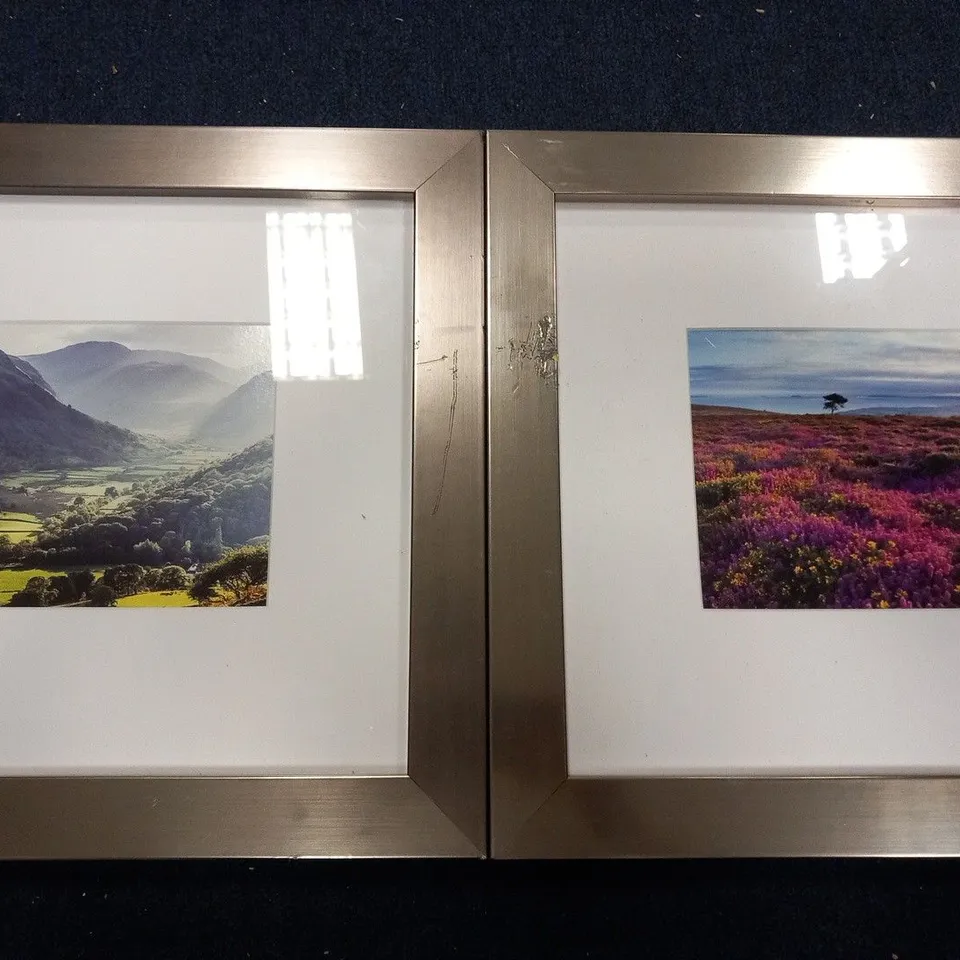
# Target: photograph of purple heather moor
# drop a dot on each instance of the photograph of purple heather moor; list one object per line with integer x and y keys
{"x": 136, "y": 465}
{"x": 827, "y": 467}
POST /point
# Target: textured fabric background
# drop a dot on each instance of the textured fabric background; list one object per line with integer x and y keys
{"x": 874, "y": 67}
{"x": 847, "y": 67}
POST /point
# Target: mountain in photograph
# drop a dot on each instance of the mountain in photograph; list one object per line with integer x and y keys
{"x": 38, "y": 430}
{"x": 81, "y": 361}
{"x": 243, "y": 417}
{"x": 150, "y": 391}
{"x": 150, "y": 397}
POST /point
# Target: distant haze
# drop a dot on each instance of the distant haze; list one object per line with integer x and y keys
{"x": 232, "y": 344}
{"x": 174, "y": 380}
{"x": 789, "y": 371}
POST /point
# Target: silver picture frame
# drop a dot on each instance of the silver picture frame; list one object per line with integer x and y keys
{"x": 439, "y": 807}
{"x": 537, "y": 808}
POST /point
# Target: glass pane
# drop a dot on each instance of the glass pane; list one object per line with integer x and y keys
{"x": 205, "y": 463}
{"x": 760, "y": 466}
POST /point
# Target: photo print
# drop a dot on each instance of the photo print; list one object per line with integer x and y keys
{"x": 136, "y": 464}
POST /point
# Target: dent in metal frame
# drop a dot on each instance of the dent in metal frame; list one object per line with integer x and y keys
{"x": 539, "y": 347}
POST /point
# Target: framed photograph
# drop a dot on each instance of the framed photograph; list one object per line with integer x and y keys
{"x": 242, "y": 519}
{"x": 724, "y": 377}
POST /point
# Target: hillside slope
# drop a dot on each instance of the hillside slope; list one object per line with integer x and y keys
{"x": 38, "y": 431}
{"x": 242, "y": 418}
{"x": 183, "y": 520}
{"x": 31, "y": 373}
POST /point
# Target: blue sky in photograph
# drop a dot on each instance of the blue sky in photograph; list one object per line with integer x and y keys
{"x": 789, "y": 371}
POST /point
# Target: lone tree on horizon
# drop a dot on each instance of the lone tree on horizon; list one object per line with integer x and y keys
{"x": 833, "y": 402}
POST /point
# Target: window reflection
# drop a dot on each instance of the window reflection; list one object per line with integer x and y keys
{"x": 314, "y": 304}
{"x": 859, "y": 245}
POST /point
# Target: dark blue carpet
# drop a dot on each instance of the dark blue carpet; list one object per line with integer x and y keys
{"x": 869, "y": 67}
{"x": 884, "y": 67}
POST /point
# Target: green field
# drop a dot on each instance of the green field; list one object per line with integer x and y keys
{"x": 51, "y": 490}
{"x": 166, "y": 598}
{"x": 12, "y": 581}
{"x": 19, "y": 526}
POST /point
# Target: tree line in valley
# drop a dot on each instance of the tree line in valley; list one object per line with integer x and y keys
{"x": 185, "y": 521}
{"x": 205, "y": 532}
{"x": 239, "y": 578}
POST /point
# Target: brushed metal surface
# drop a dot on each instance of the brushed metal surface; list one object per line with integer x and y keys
{"x": 528, "y": 730}
{"x": 221, "y": 160}
{"x": 762, "y": 169}
{"x": 109, "y": 817}
{"x": 447, "y": 719}
{"x": 747, "y": 817}
{"x": 439, "y": 809}
{"x": 536, "y": 810}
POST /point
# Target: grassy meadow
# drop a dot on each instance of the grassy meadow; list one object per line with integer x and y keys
{"x": 18, "y": 527}
{"x": 158, "y": 598}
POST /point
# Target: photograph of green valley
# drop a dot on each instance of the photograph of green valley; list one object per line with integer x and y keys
{"x": 136, "y": 464}
{"x": 827, "y": 467}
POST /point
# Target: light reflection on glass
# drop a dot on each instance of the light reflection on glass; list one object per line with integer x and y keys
{"x": 314, "y": 304}
{"x": 859, "y": 245}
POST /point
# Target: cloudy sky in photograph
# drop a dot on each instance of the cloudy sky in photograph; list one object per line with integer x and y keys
{"x": 236, "y": 345}
{"x": 789, "y": 371}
